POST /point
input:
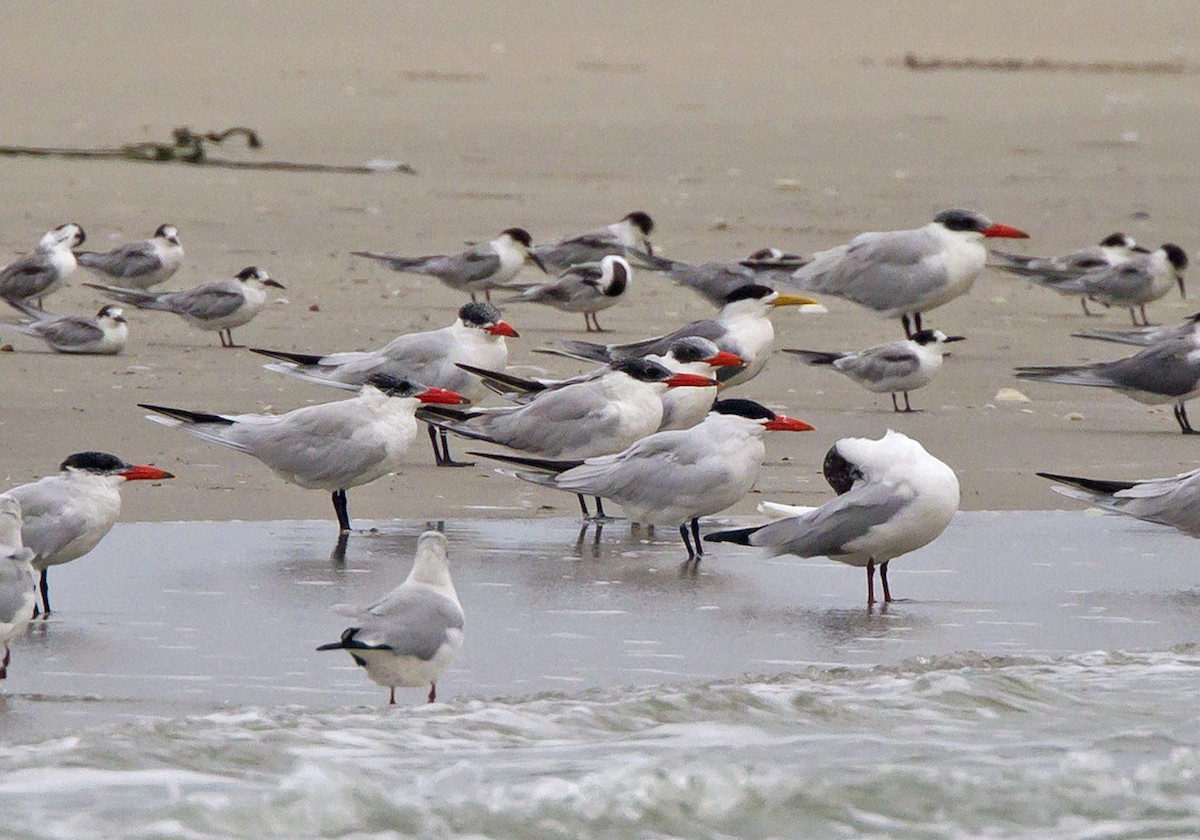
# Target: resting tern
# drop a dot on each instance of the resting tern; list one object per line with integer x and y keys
{"x": 1143, "y": 278}
{"x": 480, "y": 268}
{"x": 1171, "y": 501}
{"x": 1167, "y": 372}
{"x": 412, "y": 634}
{"x": 138, "y": 265}
{"x": 893, "y": 498}
{"x": 895, "y": 367}
{"x": 587, "y": 287}
{"x": 741, "y": 327}
{"x": 907, "y": 272}
{"x": 431, "y": 358}
{"x": 64, "y": 516}
{"x": 677, "y": 476}
{"x": 43, "y": 271}
{"x": 332, "y": 446}
{"x": 715, "y": 281}
{"x": 102, "y": 335}
{"x": 218, "y": 306}
{"x": 18, "y": 597}
{"x": 1047, "y": 272}
{"x": 631, "y": 231}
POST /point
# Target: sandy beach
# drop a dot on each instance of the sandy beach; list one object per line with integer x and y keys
{"x": 735, "y": 126}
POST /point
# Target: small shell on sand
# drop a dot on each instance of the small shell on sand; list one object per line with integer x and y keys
{"x": 1010, "y": 395}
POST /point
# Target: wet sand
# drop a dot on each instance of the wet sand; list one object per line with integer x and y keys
{"x": 735, "y": 128}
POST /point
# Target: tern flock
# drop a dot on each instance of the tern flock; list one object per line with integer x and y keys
{"x": 648, "y": 427}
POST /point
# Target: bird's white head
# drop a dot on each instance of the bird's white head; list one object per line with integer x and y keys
{"x": 255, "y": 276}
{"x": 67, "y": 236}
{"x": 633, "y": 231}
{"x": 170, "y": 233}
{"x": 431, "y": 565}
{"x": 485, "y": 317}
{"x": 975, "y": 225}
{"x": 517, "y": 240}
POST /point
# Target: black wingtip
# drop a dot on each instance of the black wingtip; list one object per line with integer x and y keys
{"x": 740, "y": 536}
{"x": 546, "y": 464}
{"x": 1097, "y": 485}
{"x": 283, "y": 355}
{"x": 185, "y": 415}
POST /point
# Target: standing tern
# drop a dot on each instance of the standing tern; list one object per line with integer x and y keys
{"x": 1171, "y": 501}
{"x": 332, "y": 446}
{"x": 629, "y": 232}
{"x": 1143, "y": 278}
{"x": 893, "y": 498}
{"x": 218, "y": 306}
{"x": 64, "y": 516}
{"x": 431, "y": 358}
{"x": 18, "y": 596}
{"x": 741, "y": 327}
{"x": 895, "y": 367}
{"x": 1047, "y": 272}
{"x": 413, "y": 633}
{"x": 480, "y": 268}
{"x": 1167, "y": 372}
{"x": 715, "y": 281}
{"x": 677, "y": 476}
{"x": 103, "y": 335}
{"x": 43, "y": 271}
{"x": 586, "y": 287}
{"x": 907, "y": 272}
{"x": 138, "y": 265}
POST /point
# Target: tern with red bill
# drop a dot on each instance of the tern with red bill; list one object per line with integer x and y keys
{"x": 476, "y": 338}
{"x": 64, "y": 516}
{"x": 673, "y": 477}
{"x": 332, "y": 446}
{"x": 905, "y": 273}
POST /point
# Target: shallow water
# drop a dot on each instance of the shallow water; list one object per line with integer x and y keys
{"x": 1040, "y": 683}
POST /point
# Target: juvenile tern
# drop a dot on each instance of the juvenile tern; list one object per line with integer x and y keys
{"x": 895, "y": 367}
{"x": 715, "y": 281}
{"x": 587, "y": 287}
{"x": 673, "y": 477}
{"x": 741, "y": 327}
{"x": 18, "y": 596}
{"x": 411, "y": 635}
{"x": 893, "y": 498}
{"x": 480, "y": 268}
{"x": 1171, "y": 501}
{"x": 43, "y": 271}
{"x": 1047, "y": 272}
{"x": 102, "y": 335}
{"x": 217, "y": 307}
{"x": 138, "y": 265}
{"x": 332, "y": 446}
{"x": 431, "y": 358}
{"x": 1166, "y": 372}
{"x": 631, "y": 231}
{"x": 64, "y": 516}
{"x": 907, "y": 272}
{"x": 1143, "y": 278}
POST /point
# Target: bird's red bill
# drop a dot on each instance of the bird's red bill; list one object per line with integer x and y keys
{"x": 442, "y": 396}
{"x": 502, "y": 328}
{"x": 725, "y": 359}
{"x": 142, "y": 472}
{"x": 692, "y": 380}
{"x": 999, "y": 231}
{"x": 789, "y": 424}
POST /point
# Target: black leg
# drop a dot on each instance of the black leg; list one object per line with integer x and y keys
{"x": 392, "y": 695}
{"x": 870, "y": 583}
{"x": 4, "y": 664}
{"x": 583, "y": 506}
{"x": 44, "y": 585}
{"x": 908, "y": 333}
{"x": 696, "y": 536}
{"x": 432, "y": 692}
{"x": 473, "y": 298}
{"x": 1182, "y": 419}
{"x": 600, "y": 514}
{"x": 487, "y": 295}
{"x": 441, "y": 456}
{"x": 907, "y": 408}
{"x": 917, "y": 321}
{"x": 887, "y": 593}
{"x": 687, "y": 542}
{"x": 338, "y": 555}
{"x": 339, "y": 507}
{"x": 895, "y": 407}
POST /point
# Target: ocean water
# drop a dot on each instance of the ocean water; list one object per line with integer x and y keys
{"x": 1039, "y": 682}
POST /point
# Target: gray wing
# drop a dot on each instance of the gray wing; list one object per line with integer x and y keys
{"x": 70, "y": 331}
{"x": 131, "y": 260}
{"x": 411, "y": 622}
{"x": 876, "y": 270}
{"x": 879, "y": 364}
{"x": 709, "y": 328}
{"x": 1115, "y": 283}
{"x": 585, "y": 248}
{"x": 206, "y": 302}
{"x": 51, "y": 518}
{"x": 1163, "y": 369}
{"x": 323, "y": 444}
{"x": 27, "y": 276}
{"x": 829, "y": 529}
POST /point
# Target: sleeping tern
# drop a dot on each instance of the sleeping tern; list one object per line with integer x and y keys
{"x": 906, "y": 272}
{"x": 893, "y": 498}
{"x": 64, "y": 516}
{"x": 43, "y": 271}
{"x": 480, "y": 268}
{"x": 631, "y": 231}
{"x": 411, "y": 635}
{"x": 102, "y": 335}
{"x": 138, "y": 265}
{"x": 895, "y": 367}
{"x": 587, "y": 287}
{"x": 1047, "y": 272}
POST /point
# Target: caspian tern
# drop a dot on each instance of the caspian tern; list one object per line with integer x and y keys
{"x": 431, "y": 358}
{"x": 1143, "y": 278}
{"x": 893, "y": 498}
{"x": 102, "y": 335}
{"x": 64, "y": 516}
{"x": 18, "y": 596}
{"x": 631, "y": 231}
{"x": 741, "y": 327}
{"x": 673, "y": 477}
{"x": 1047, "y": 272}
{"x": 715, "y": 281}
{"x": 1171, "y": 501}
{"x": 332, "y": 446}
{"x": 587, "y": 287}
{"x": 43, "y": 271}
{"x": 480, "y": 268}
{"x": 218, "y": 306}
{"x": 411, "y": 635}
{"x": 138, "y": 265}
{"x": 1166, "y": 372}
{"x": 895, "y": 367}
{"x": 906, "y": 272}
